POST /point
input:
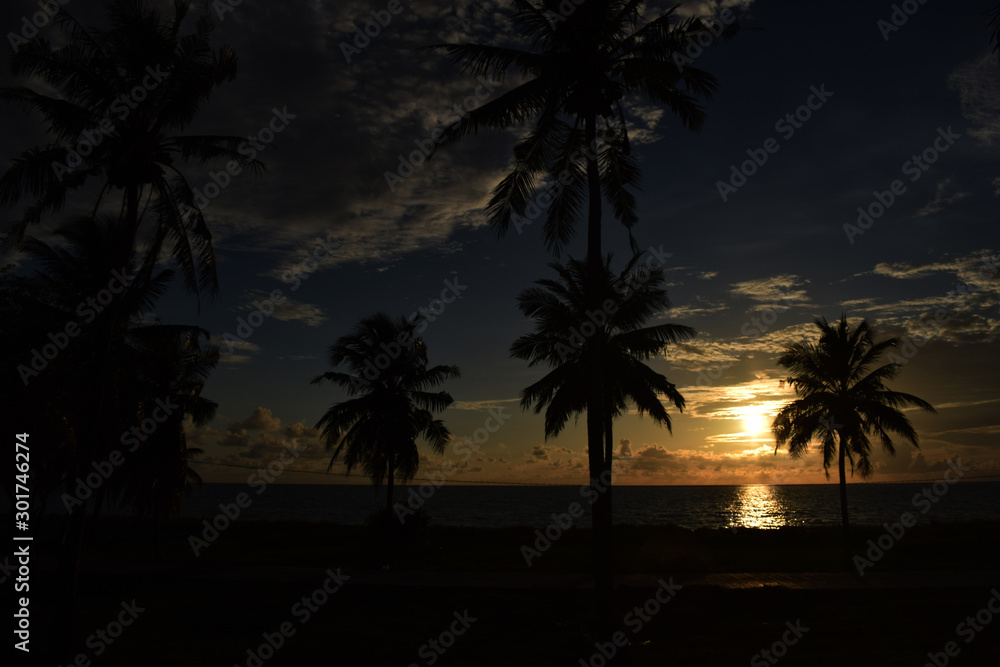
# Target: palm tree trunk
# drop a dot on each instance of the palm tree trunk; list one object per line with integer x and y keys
{"x": 601, "y": 510}
{"x": 391, "y": 474}
{"x": 843, "y": 503}
{"x": 389, "y": 527}
{"x": 599, "y": 514}
{"x": 594, "y": 196}
{"x": 130, "y": 225}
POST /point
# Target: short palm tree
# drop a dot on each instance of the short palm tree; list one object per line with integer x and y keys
{"x": 118, "y": 97}
{"x": 567, "y": 339}
{"x": 843, "y": 401}
{"x": 388, "y": 378}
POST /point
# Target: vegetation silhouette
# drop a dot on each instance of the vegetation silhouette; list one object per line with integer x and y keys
{"x": 112, "y": 101}
{"x": 120, "y": 371}
{"x": 586, "y": 59}
{"x": 388, "y": 377}
{"x": 559, "y": 306}
{"x": 95, "y": 77}
{"x": 844, "y": 402}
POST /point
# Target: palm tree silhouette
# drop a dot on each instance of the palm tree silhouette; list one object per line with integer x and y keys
{"x": 171, "y": 363}
{"x": 995, "y": 28}
{"x": 584, "y": 66}
{"x": 843, "y": 402}
{"x": 119, "y": 94}
{"x": 620, "y": 346}
{"x": 111, "y": 374}
{"x": 389, "y": 377}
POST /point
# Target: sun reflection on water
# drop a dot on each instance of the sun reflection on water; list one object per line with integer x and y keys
{"x": 759, "y": 506}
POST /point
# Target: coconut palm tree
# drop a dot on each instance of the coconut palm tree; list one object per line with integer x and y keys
{"x": 388, "y": 378}
{"x": 567, "y": 337}
{"x": 583, "y": 61}
{"x": 843, "y": 402}
{"x": 107, "y": 376}
{"x": 118, "y": 98}
{"x": 995, "y": 28}
{"x": 172, "y": 365}
{"x": 580, "y": 69}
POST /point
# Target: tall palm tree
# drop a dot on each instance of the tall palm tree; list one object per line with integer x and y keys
{"x": 995, "y": 28}
{"x": 581, "y": 68}
{"x": 118, "y": 97}
{"x": 577, "y": 71}
{"x": 843, "y": 402}
{"x": 562, "y": 310}
{"x": 389, "y": 378}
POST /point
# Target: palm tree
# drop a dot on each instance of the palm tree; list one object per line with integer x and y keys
{"x": 843, "y": 402}
{"x": 567, "y": 338}
{"x": 171, "y": 363}
{"x": 995, "y": 28}
{"x": 388, "y": 378}
{"x": 583, "y": 66}
{"x": 118, "y": 97}
{"x": 108, "y": 377}
{"x": 580, "y": 68}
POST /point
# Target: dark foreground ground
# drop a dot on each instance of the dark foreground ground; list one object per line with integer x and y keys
{"x": 219, "y": 608}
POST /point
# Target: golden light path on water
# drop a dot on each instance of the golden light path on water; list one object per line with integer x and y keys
{"x": 760, "y": 506}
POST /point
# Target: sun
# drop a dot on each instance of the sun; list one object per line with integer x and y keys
{"x": 756, "y": 422}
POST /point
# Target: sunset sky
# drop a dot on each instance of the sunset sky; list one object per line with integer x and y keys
{"x": 749, "y": 267}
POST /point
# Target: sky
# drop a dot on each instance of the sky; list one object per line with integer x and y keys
{"x": 842, "y": 109}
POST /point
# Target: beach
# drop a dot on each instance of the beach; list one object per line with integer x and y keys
{"x": 725, "y": 596}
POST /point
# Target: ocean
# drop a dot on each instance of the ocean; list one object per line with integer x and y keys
{"x": 758, "y": 505}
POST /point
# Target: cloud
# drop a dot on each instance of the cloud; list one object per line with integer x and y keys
{"x": 235, "y": 352}
{"x": 260, "y": 420}
{"x": 235, "y": 438}
{"x": 978, "y": 85}
{"x": 775, "y": 291}
{"x": 624, "y": 447}
{"x": 940, "y": 201}
{"x": 288, "y": 310}
{"x": 479, "y": 406}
